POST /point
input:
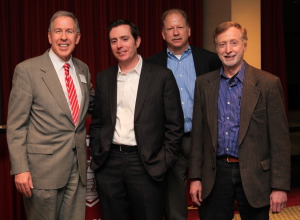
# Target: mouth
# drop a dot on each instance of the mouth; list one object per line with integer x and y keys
{"x": 229, "y": 57}
{"x": 63, "y": 45}
{"x": 121, "y": 52}
{"x": 176, "y": 39}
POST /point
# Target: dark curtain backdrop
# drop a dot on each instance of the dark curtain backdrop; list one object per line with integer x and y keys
{"x": 24, "y": 25}
{"x": 273, "y": 57}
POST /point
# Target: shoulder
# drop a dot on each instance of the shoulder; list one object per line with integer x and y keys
{"x": 107, "y": 72}
{"x": 202, "y": 51}
{"x": 34, "y": 62}
{"x": 259, "y": 74}
{"x": 79, "y": 63}
{"x": 152, "y": 67}
{"x": 157, "y": 58}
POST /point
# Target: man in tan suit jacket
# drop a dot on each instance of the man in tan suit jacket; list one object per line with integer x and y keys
{"x": 47, "y": 150}
{"x": 240, "y": 142}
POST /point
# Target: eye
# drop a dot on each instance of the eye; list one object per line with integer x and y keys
{"x": 70, "y": 31}
{"x": 125, "y": 39}
{"x": 170, "y": 29}
{"x": 221, "y": 45}
{"x": 57, "y": 31}
{"x": 113, "y": 41}
{"x": 234, "y": 43}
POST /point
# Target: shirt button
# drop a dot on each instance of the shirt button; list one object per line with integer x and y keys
{"x": 226, "y": 133}
{"x": 180, "y": 75}
{"x": 228, "y": 103}
{"x": 228, "y": 118}
{"x": 182, "y": 103}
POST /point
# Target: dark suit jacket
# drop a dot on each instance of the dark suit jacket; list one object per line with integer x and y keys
{"x": 204, "y": 60}
{"x": 158, "y": 118}
{"x": 40, "y": 129}
{"x": 263, "y": 141}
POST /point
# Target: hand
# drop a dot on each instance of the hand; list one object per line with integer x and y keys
{"x": 196, "y": 191}
{"x": 23, "y": 183}
{"x": 278, "y": 200}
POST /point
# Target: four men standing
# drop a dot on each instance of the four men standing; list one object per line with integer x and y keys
{"x": 143, "y": 118}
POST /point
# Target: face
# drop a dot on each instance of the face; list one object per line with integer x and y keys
{"x": 176, "y": 33}
{"x": 123, "y": 45}
{"x": 63, "y": 37}
{"x": 231, "y": 48}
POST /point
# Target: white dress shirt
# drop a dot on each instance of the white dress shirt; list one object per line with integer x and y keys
{"x": 58, "y": 64}
{"x": 127, "y": 87}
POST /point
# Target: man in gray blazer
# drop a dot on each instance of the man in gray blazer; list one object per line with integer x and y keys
{"x": 186, "y": 62}
{"x": 240, "y": 141}
{"x": 136, "y": 130}
{"x": 46, "y": 143}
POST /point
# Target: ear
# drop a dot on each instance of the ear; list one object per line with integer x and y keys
{"x": 138, "y": 42}
{"x": 163, "y": 35}
{"x": 78, "y": 35}
{"x": 49, "y": 38}
{"x": 189, "y": 31}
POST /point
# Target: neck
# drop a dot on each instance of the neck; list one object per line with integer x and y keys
{"x": 179, "y": 50}
{"x": 126, "y": 66}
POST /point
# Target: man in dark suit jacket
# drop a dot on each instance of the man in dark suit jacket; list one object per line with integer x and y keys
{"x": 136, "y": 130}
{"x": 46, "y": 145}
{"x": 186, "y": 62}
{"x": 240, "y": 142}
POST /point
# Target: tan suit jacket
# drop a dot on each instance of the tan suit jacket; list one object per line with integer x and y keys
{"x": 263, "y": 141}
{"x": 40, "y": 129}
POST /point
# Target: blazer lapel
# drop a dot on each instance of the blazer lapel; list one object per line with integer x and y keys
{"x": 250, "y": 97}
{"x": 112, "y": 86}
{"x": 78, "y": 71}
{"x": 142, "y": 89}
{"x": 211, "y": 100}
{"x": 51, "y": 80}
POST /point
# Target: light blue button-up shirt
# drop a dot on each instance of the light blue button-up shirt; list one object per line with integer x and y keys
{"x": 185, "y": 74}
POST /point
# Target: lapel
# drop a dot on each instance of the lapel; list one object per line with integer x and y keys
{"x": 250, "y": 95}
{"x": 142, "y": 89}
{"x": 211, "y": 91}
{"x": 112, "y": 87}
{"x": 83, "y": 88}
{"x": 51, "y": 80}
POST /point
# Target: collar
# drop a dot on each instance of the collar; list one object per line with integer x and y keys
{"x": 58, "y": 63}
{"x": 137, "y": 69}
{"x": 239, "y": 75}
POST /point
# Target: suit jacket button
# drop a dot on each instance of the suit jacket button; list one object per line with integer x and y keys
{"x": 213, "y": 167}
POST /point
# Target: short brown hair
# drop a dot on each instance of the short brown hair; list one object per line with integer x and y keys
{"x": 174, "y": 10}
{"x": 225, "y": 26}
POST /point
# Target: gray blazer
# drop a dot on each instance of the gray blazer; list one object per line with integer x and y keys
{"x": 158, "y": 118}
{"x": 263, "y": 141}
{"x": 40, "y": 129}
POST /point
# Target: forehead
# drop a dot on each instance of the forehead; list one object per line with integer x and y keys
{"x": 63, "y": 21}
{"x": 119, "y": 31}
{"x": 230, "y": 34}
{"x": 174, "y": 17}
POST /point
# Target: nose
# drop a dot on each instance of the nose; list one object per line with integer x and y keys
{"x": 228, "y": 48}
{"x": 119, "y": 44}
{"x": 63, "y": 35}
{"x": 175, "y": 32}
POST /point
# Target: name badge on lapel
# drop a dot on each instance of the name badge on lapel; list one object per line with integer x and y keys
{"x": 82, "y": 78}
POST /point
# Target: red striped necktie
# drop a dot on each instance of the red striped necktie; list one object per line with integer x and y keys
{"x": 72, "y": 94}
